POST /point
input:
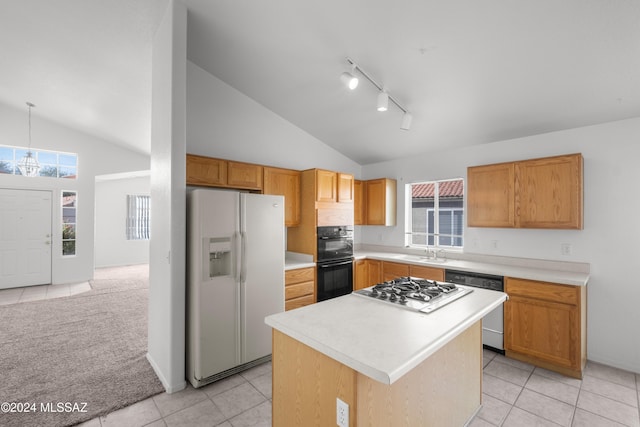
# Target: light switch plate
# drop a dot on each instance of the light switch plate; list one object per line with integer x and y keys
{"x": 342, "y": 413}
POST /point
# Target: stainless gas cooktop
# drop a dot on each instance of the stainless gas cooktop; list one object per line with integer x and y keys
{"x": 415, "y": 294}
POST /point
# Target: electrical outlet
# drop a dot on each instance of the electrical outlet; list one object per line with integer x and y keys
{"x": 566, "y": 249}
{"x": 494, "y": 244}
{"x": 342, "y": 413}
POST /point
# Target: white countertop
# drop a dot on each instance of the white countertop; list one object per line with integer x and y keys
{"x": 379, "y": 340}
{"x": 565, "y": 277}
{"x": 295, "y": 260}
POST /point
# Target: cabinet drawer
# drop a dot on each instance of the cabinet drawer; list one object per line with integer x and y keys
{"x": 553, "y": 292}
{"x": 299, "y": 275}
{"x": 298, "y": 290}
{"x": 298, "y": 302}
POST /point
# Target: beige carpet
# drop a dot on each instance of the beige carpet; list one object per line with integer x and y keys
{"x": 74, "y": 358}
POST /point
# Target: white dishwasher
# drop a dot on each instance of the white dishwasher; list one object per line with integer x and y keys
{"x": 492, "y": 323}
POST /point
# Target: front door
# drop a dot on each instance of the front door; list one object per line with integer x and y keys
{"x": 25, "y": 238}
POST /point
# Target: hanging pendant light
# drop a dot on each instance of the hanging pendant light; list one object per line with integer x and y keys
{"x": 28, "y": 165}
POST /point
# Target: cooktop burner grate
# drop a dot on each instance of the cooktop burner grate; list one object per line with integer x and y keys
{"x": 415, "y": 293}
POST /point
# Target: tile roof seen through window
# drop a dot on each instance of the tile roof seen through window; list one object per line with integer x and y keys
{"x": 447, "y": 189}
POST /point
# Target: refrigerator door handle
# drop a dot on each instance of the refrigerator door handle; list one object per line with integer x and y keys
{"x": 235, "y": 250}
{"x": 243, "y": 256}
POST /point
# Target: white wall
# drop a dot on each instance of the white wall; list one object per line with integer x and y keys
{"x": 112, "y": 248}
{"x": 609, "y": 239}
{"x": 223, "y": 122}
{"x": 95, "y": 157}
{"x": 166, "y": 350}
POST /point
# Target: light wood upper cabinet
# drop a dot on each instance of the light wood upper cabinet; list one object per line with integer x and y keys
{"x": 491, "y": 195}
{"x": 206, "y": 171}
{"x": 345, "y": 188}
{"x": 244, "y": 175}
{"x": 545, "y": 325}
{"x": 358, "y": 202}
{"x": 326, "y": 186}
{"x": 550, "y": 192}
{"x": 538, "y": 193}
{"x": 380, "y": 202}
{"x": 285, "y": 182}
{"x": 211, "y": 172}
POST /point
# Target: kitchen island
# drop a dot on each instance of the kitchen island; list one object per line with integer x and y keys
{"x": 392, "y": 366}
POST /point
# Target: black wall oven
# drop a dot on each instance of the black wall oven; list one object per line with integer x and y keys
{"x": 335, "y": 261}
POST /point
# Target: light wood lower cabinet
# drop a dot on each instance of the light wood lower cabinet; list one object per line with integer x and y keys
{"x": 545, "y": 325}
{"x": 299, "y": 287}
{"x": 393, "y": 270}
{"x": 366, "y": 272}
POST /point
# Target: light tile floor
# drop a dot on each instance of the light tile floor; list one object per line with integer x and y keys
{"x": 34, "y": 293}
{"x": 515, "y": 394}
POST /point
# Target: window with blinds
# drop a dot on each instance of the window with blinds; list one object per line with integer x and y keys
{"x": 138, "y": 217}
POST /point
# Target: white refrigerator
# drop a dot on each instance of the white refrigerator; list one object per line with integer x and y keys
{"x": 235, "y": 278}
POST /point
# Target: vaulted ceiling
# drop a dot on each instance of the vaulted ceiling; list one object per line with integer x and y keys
{"x": 470, "y": 71}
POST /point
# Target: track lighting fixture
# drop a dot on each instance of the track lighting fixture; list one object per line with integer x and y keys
{"x": 351, "y": 81}
{"x": 406, "y": 121}
{"x": 349, "y": 78}
{"x": 383, "y": 101}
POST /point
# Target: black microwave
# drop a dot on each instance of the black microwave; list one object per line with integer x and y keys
{"x": 335, "y": 242}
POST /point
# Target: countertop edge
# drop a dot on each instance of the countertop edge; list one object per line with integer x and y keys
{"x": 528, "y": 273}
{"x": 370, "y": 371}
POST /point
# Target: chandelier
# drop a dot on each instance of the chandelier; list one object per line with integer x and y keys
{"x": 28, "y": 165}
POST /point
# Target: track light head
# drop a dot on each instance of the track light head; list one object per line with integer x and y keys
{"x": 406, "y": 121}
{"x": 383, "y": 101}
{"x": 349, "y": 80}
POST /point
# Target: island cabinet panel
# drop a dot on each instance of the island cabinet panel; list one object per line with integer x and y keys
{"x": 545, "y": 325}
{"x": 244, "y": 175}
{"x": 442, "y": 391}
{"x": 491, "y": 195}
{"x": 285, "y": 182}
{"x": 299, "y": 287}
{"x": 393, "y": 270}
{"x": 306, "y": 384}
{"x": 424, "y": 272}
{"x": 206, "y": 171}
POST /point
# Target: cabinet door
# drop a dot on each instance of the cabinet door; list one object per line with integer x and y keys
{"x": 326, "y": 186}
{"x": 345, "y": 188}
{"x": 491, "y": 195}
{"x": 244, "y": 175}
{"x": 375, "y": 271}
{"x": 285, "y": 182}
{"x": 381, "y": 202}
{"x": 358, "y": 202}
{"x": 543, "y": 322}
{"x": 549, "y": 192}
{"x": 360, "y": 274}
{"x": 206, "y": 171}
{"x": 393, "y": 270}
{"x": 424, "y": 272}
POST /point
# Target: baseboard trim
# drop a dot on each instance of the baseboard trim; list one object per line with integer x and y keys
{"x": 168, "y": 387}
